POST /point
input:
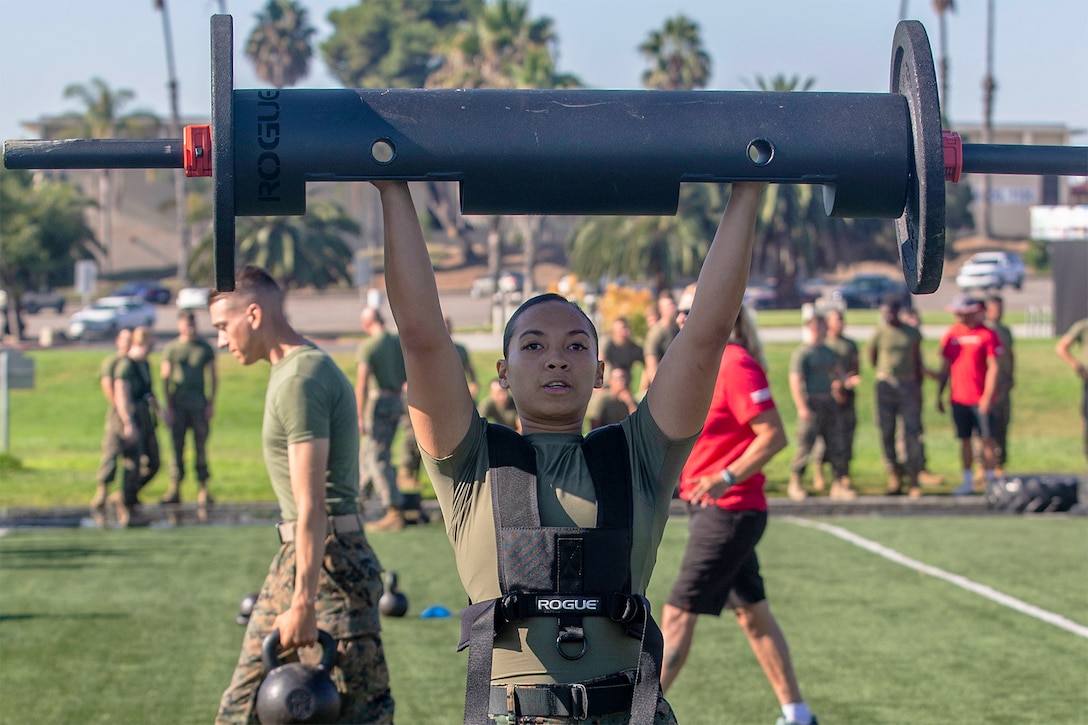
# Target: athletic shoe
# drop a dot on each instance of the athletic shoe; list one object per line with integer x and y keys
{"x": 783, "y": 721}
{"x": 965, "y": 489}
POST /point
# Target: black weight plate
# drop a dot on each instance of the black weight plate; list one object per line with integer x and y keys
{"x": 920, "y": 230}
{"x": 223, "y": 150}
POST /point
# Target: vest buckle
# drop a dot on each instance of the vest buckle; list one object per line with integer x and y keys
{"x": 579, "y": 698}
{"x": 515, "y": 608}
{"x": 568, "y": 635}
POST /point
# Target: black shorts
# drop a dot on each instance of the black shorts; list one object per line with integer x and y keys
{"x": 968, "y": 419}
{"x": 720, "y": 568}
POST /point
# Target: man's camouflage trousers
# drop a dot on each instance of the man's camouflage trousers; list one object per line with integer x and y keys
{"x": 347, "y": 608}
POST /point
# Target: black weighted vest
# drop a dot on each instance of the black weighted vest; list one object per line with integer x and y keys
{"x": 567, "y": 573}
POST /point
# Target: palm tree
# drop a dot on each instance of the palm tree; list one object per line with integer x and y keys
{"x": 660, "y": 248}
{"x": 103, "y": 118}
{"x": 307, "y": 251}
{"x": 781, "y": 83}
{"x": 503, "y": 47}
{"x": 279, "y": 45}
{"x": 657, "y": 248}
{"x": 678, "y": 60}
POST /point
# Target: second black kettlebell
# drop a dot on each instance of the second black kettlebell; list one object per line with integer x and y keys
{"x": 393, "y": 603}
{"x": 295, "y": 692}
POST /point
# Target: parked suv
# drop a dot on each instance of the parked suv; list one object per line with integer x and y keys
{"x": 868, "y": 291}
{"x": 110, "y": 314}
{"x": 32, "y": 302}
{"x": 991, "y": 269}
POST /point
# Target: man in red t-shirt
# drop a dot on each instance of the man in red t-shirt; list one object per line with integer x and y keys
{"x": 723, "y": 485}
{"x": 969, "y": 352}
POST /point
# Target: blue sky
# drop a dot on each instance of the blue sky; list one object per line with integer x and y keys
{"x": 1040, "y": 56}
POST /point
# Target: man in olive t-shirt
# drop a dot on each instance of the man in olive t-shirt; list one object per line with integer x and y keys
{"x": 895, "y": 350}
{"x": 134, "y": 401}
{"x": 111, "y": 438}
{"x": 816, "y": 378}
{"x": 379, "y": 409}
{"x": 845, "y": 411}
{"x": 325, "y": 574}
{"x": 186, "y": 363}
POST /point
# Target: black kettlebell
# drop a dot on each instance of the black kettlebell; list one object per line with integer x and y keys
{"x": 297, "y": 692}
{"x": 393, "y": 603}
{"x": 245, "y": 607}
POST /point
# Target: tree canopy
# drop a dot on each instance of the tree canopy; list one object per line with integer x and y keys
{"x": 306, "y": 251}
{"x": 43, "y": 232}
{"x": 279, "y": 45}
{"x": 391, "y": 44}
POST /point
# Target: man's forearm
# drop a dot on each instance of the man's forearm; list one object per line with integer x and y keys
{"x": 310, "y": 531}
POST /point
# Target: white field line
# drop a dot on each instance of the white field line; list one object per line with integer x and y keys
{"x": 981, "y": 589}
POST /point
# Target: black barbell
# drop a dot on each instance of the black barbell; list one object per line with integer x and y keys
{"x": 879, "y": 155}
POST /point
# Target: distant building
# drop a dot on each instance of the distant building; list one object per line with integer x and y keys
{"x": 1012, "y": 196}
{"x": 141, "y": 233}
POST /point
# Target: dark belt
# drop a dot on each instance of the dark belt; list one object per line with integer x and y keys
{"x": 884, "y": 378}
{"x": 342, "y": 524}
{"x": 578, "y": 701}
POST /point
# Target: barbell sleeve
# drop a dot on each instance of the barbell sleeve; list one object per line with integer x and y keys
{"x": 1029, "y": 160}
{"x": 102, "y": 153}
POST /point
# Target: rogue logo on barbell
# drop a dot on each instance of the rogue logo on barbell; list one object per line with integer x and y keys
{"x": 268, "y": 138}
{"x": 568, "y": 604}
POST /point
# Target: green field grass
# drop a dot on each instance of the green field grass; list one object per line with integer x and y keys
{"x": 138, "y": 626}
{"x": 56, "y": 428}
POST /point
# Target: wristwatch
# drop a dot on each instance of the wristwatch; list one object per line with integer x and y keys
{"x": 728, "y": 477}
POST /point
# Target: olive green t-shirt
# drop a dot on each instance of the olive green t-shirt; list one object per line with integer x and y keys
{"x": 507, "y": 416}
{"x": 105, "y": 370}
{"x": 187, "y": 362}
{"x": 847, "y": 352}
{"x": 816, "y": 364}
{"x": 606, "y": 408}
{"x": 138, "y": 375}
{"x": 383, "y": 356}
{"x": 1004, "y": 362}
{"x": 658, "y": 339}
{"x": 623, "y": 355}
{"x": 525, "y": 652}
{"x": 310, "y": 398}
{"x": 895, "y": 356}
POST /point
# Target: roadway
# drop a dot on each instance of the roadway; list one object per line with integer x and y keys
{"x": 327, "y": 316}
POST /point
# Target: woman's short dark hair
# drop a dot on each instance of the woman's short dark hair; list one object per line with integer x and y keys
{"x": 508, "y": 333}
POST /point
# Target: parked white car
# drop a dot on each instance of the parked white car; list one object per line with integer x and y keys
{"x": 106, "y": 316}
{"x": 192, "y": 298}
{"x": 992, "y": 269}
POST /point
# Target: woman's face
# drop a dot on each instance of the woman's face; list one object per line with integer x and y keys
{"x": 551, "y": 367}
